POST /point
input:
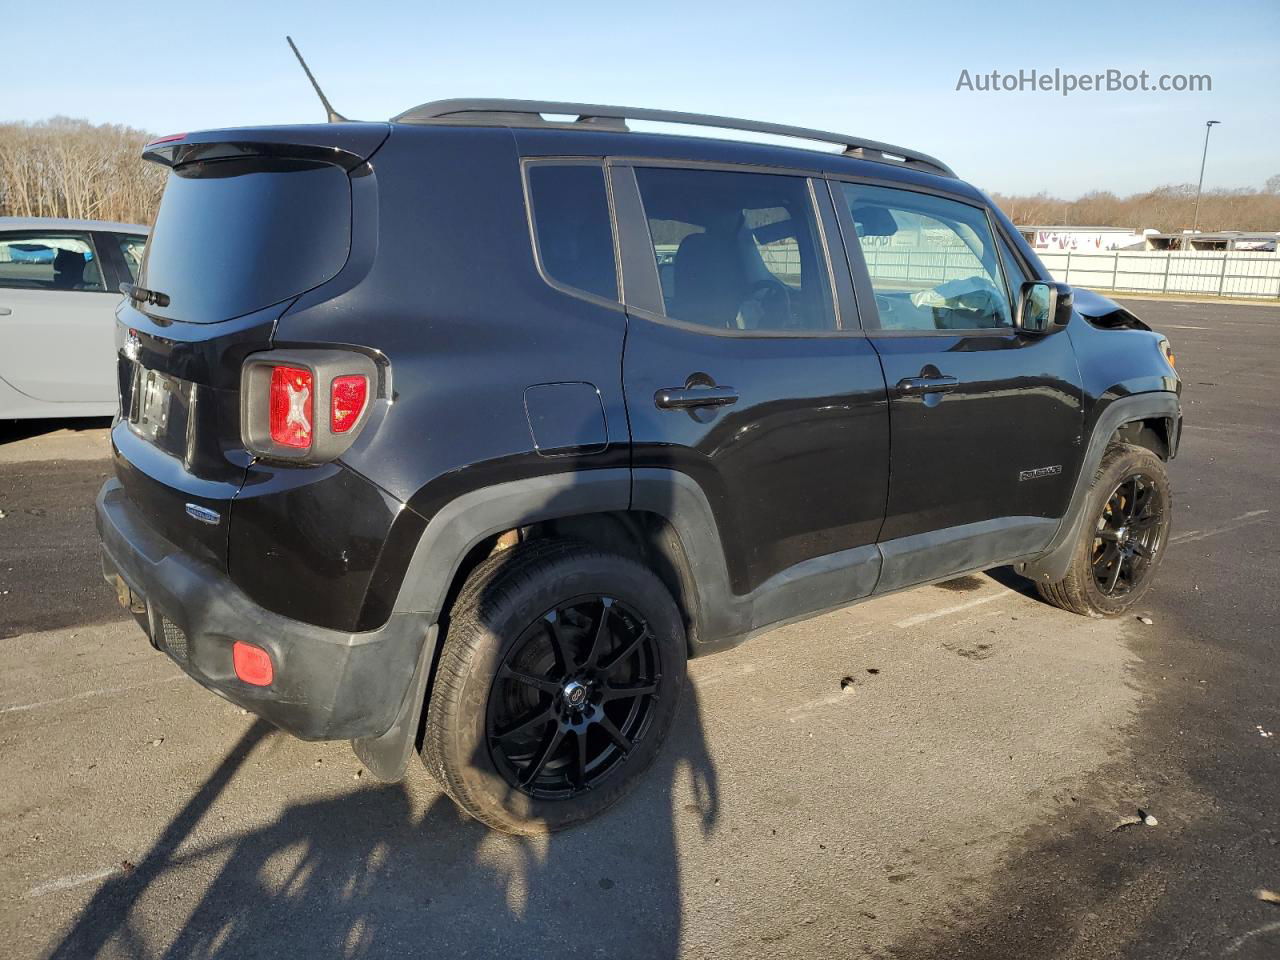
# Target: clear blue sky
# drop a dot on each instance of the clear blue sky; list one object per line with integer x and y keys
{"x": 882, "y": 70}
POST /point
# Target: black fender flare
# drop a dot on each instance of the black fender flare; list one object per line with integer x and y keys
{"x": 462, "y": 523}
{"x": 467, "y": 520}
{"x": 1053, "y": 564}
{"x": 450, "y": 535}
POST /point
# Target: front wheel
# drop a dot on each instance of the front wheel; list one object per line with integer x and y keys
{"x": 1122, "y": 536}
{"x": 558, "y": 682}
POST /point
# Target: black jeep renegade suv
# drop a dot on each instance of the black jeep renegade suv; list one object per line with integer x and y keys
{"x": 460, "y": 433}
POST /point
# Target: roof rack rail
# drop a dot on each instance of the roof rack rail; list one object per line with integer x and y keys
{"x": 520, "y": 113}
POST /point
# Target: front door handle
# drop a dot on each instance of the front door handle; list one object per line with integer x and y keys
{"x": 5, "y": 311}
{"x": 918, "y": 385}
{"x": 686, "y": 398}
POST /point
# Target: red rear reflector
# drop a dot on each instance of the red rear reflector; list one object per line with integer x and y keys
{"x": 291, "y": 406}
{"x": 347, "y": 396}
{"x": 169, "y": 139}
{"x": 253, "y": 664}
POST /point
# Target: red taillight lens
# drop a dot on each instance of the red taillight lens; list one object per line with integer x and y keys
{"x": 253, "y": 664}
{"x": 291, "y": 406}
{"x": 347, "y": 396}
{"x": 171, "y": 138}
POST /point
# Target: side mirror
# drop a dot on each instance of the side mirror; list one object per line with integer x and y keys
{"x": 1043, "y": 307}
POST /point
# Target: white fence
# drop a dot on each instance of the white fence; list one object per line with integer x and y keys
{"x": 921, "y": 268}
{"x": 1207, "y": 273}
{"x": 1236, "y": 273}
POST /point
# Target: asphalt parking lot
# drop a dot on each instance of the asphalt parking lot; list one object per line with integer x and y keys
{"x": 950, "y": 772}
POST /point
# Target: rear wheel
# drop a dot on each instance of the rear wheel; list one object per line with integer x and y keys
{"x": 558, "y": 682}
{"x": 1122, "y": 540}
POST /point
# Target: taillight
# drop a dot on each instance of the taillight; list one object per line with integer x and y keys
{"x": 347, "y": 397}
{"x": 291, "y": 406}
{"x": 306, "y": 405}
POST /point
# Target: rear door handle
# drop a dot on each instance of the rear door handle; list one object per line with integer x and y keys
{"x": 5, "y": 311}
{"x": 684, "y": 398}
{"x": 915, "y": 385}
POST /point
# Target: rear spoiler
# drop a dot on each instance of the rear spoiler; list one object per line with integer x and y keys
{"x": 346, "y": 144}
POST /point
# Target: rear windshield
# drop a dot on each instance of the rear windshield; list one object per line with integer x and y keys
{"x": 234, "y": 236}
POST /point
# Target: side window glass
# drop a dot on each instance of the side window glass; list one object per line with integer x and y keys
{"x": 1012, "y": 269}
{"x": 933, "y": 261}
{"x": 572, "y": 227}
{"x": 131, "y": 248}
{"x": 737, "y": 251}
{"x": 48, "y": 261}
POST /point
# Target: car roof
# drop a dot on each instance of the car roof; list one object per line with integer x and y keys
{"x": 66, "y": 223}
{"x": 595, "y": 116}
{"x": 552, "y": 142}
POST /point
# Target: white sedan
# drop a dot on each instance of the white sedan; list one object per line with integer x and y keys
{"x": 59, "y": 288}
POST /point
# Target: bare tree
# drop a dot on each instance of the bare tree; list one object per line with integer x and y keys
{"x": 72, "y": 168}
{"x": 1169, "y": 208}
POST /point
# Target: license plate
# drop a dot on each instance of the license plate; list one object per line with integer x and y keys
{"x": 156, "y": 398}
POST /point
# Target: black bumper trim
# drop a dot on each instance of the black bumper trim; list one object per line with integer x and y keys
{"x": 328, "y": 685}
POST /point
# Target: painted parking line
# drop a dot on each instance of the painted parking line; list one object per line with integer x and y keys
{"x": 88, "y": 694}
{"x": 928, "y": 615}
{"x": 1253, "y": 516}
{"x": 75, "y": 880}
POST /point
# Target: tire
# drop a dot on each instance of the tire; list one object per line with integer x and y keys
{"x": 523, "y": 644}
{"x": 1094, "y": 587}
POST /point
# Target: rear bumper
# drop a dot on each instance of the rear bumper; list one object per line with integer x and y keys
{"x": 328, "y": 684}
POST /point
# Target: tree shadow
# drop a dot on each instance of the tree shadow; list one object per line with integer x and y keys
{"x": 373, "y": 874}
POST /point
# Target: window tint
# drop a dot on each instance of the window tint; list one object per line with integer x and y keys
{"x": 571, "y": 222}
{"x": 737, "y": 251}
{"x": 49, "y": 261}
{"x": 234, "y": 236}
{"x": 131, "y": 249}
{"x": 932, "y": 261}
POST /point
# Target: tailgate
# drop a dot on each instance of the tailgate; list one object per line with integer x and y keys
{"x": 250, "y": 219}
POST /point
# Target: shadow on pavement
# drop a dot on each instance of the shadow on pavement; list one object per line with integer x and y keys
{"x": 372, "y": 874}
{"x": 14, "y": 430}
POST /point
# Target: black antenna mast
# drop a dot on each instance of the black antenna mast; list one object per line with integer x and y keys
{"x": 333, "y": 115}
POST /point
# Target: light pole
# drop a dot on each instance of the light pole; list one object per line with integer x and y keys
{"x": 1208, "y": 125}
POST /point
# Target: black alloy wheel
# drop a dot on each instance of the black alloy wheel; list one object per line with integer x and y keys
{"x": 573, "y": 697}
{"x": 1129, "y": 534}
{"x": 1119, "y": 540}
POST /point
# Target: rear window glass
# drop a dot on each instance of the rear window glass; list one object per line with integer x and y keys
{"x": 234, "y": 236}
{"x": 571, "y": 224}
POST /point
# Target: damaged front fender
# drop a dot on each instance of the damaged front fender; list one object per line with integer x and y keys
{"x": 1104, "y": 312}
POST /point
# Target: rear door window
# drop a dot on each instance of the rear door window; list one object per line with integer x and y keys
{"x": 35, "y": 260}
{"x": 571, "y": 227}
{"x": 737, "y": 251}
{"x": 235, "y": 236}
